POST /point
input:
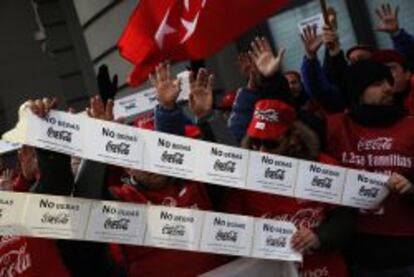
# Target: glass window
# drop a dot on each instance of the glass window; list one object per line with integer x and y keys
{"x": 284, "y": 28}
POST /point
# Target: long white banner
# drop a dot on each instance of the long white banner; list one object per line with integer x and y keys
{"x": 213, "y": 163}
{"x": 46, "y": 216}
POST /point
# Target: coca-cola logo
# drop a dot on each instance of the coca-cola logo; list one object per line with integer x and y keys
{"x": 15, "y": 262}
{"x": 175, "y": 158}
{"x": 173, "y": 230}
{"x": 368, "y": 192}
{"x": 381, "y": 143}
{"x": 278, "y": 174}
{"x": 120, "y": 148}
{"x": 268, "y": 115}
{"x": 56, "y": 219}
{"x": 117, "y": 224}
{"x": 276, "y": 241}
{"x": 226, "y": 236}
{"x": 59, "y": 135}
{"x": 322, "y": 182}
{"x": 228, "y": 166}
{"x": 303, "y": 218}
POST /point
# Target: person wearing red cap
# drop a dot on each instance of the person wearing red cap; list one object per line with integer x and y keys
{"x": 403, "y": 87}
{"x": 275, "y": 128}
{"x": 322, "y": 228}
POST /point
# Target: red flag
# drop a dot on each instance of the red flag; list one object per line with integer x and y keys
{"x": 187, "y": 29}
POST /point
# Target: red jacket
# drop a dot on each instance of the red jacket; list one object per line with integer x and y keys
{"x": 31, "y": 257}
{"x": 148, "y": 261}
{"x": 302, "y": 213}
{"x": 386, "y": 150}
{"x": 409, "y": 101}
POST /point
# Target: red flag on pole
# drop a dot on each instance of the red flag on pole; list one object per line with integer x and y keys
{"x": 187, "y": 29}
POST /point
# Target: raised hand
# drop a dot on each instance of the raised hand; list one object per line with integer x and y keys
{"x": 266, "y": 62}
{"x": 249, "y": 70}
{"x": 6, "y": 182}
{"x": 201, "y": 93}
{"x": 41, "y": 107}
{"x": 167, "y": 87}
{"x": 305, "y": 240}
{"x": 389, "y": 19}
{"x": 311, "y": 41}
{"x": 97, "y": 109}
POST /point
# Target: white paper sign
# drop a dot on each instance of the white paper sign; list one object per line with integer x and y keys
{"x": 117, "y": 222}
{"x": 6, "y": 146}
{"x": 227, "y": 234}
{"x": 364, "y": 189}
{"x": 114, "y": 143}
{"x": 56, "y": 217}
{"x": 272, "y": 240}
{"x": 58, "y": 131}
{"x": 314, "y": 20}
{"x": 11, "y": 205}
{"x": 170, "y": 155}
{"x": 173, "y": 228}
{"x": 136, "y": 103}
{"x": 272, "y": 173}
{"x": 320, "y": 182}
{"x": 221, "y": 164}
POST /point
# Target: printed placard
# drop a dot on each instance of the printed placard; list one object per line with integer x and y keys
{"x": 175, "y": 228}
{"x": 11, "y": 209}
{"x": 272, "y": 240}
{"x": 364, "y": 189}
{"x": 227, "y": 234}
{"x": 320, "y": 182}
{"x": 272, "y": 173}
{"x": 117, "y": 222}
{"x": 58, "y": 131}
{"x": 6, "y": 146}
{"x": 219, "y": 164}
{"x": 184, "y": 78}
{"x": 170, "y": 155}
{"x": 316, "y": 20}
{"x": 114, "y": 143}
{"x": 136, "y": 103}
{"x": 56, "y": 216}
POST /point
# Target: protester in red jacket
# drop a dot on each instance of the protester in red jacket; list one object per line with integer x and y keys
{"x": 322, "y": 228}
{"x": 377, "y": 135}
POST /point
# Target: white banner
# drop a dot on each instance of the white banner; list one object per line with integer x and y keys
{"x": 58, "y": 217}
{"x": 6, "y": 146}
{"x": 213, "y": 163}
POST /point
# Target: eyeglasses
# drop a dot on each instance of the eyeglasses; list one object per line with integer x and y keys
{"x": 261, "y": 143}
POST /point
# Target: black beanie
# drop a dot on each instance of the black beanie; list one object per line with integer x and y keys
{"x": 362, "y": 74}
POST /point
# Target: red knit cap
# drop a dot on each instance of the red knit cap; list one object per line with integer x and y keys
{"x": 388, "y": 56}
{"x": 271, "y": 119}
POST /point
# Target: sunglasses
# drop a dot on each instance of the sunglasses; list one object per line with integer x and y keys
{"x": 266, "y": 144}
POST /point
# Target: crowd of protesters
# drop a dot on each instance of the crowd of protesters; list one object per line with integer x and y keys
{"x": 354, "y": 110}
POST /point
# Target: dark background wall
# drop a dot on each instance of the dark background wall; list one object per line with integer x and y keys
{"x": 54, "y": 66}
